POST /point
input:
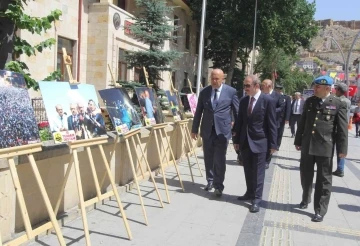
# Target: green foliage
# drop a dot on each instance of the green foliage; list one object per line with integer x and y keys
{"x": 36, "y": 25}
{"x": 45, "y": 134}
{"x": 152, "y": 27}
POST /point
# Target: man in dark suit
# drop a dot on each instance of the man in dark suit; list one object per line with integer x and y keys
{"x": 255, "y": 130}
{"x": 323, "y": 124}
{"x": 215, "y": 105}
{"x": 285, "y": 116}
{"x": 73, "y": 119}
{"x": 267, "y": 88}
{"x": 297, "y": 108}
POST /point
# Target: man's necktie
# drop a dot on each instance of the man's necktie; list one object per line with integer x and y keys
{"x": 250, "y": 108}
{"x": 296, "y": 106}
{"x": 61, "y": 119}
{"x": 215, "y": 99}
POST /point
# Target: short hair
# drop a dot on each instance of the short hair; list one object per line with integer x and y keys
{"x": 298, "y": 93}
{"x": 342, "y": 87}
{"x": 255, "y": 80}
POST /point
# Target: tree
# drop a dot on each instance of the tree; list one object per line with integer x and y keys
{"x": 285, "y": 24}
{"x": 13, "y": 19}
{"x": 152, "y": 27}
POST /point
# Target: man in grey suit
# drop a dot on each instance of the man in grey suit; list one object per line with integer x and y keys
{"x": 297, "y": 107}
{"x": 215, "y": 105}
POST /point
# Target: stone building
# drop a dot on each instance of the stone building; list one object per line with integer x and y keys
{"x": 95, "y": 34}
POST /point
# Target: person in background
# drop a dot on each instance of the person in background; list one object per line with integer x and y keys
{"x": 215, "y": 105}
{"x": 356, "y": 119}
{"x": 340, "y": 91}
{"x": 297, "y": 107}
{"x": 285, "y": 116}
{"x": 323, "y": 124}
{"x": 59, "y": 123}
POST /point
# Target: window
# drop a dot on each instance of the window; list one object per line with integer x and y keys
{"x": 187, "y": 37}
{"x": 203, "y": 81}
{"x": 175, "y": 33}
{"x": 139, "y": 75}
{"x": 197, "y": 43}
{"x": 186, "y": 76}
{"x": 60, "y": 66}
{"x": 122, "y": 68}
{"x": 173, "y": 78}
{"x": 121, "y": 4}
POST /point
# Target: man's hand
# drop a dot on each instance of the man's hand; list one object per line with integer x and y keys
{"x": 194, "y": 136}
{"x": 272, "y": 151}
{"x": 286, "y": 122}
{"x": 342, "y": 156}
{"x": 298, "y": 147}
{"x": 236, "y": 147}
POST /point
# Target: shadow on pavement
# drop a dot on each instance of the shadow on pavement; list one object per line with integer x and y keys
{"x": 288, "y": 167}
{"x": 286, "y": 158}
{"x": 345, "y": 190}
{"x": 351, "y": 208}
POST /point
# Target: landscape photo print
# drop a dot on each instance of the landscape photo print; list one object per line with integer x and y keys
{"x": 17, "y": 119}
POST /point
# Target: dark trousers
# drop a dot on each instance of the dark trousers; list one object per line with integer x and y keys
{"x": 323, "y": 180}
{"x": 254, "y": 168}
{"x": 215, "y": 159}
{"x": 294, "y": 119}
{"x": 357, "y": 128}
{"x": 280, "y": 133}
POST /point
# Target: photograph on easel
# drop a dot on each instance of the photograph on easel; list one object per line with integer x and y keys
{"x": 121, "y": 110}
{"x": 17, "y": 119}
{"x": 192, "y": 99}
{"x": 148, "y": 102}
{"x": 88, "y": 119}
{"x": 174, "y": 105}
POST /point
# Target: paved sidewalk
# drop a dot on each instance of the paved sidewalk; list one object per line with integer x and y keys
{"x": 196, "y": 217}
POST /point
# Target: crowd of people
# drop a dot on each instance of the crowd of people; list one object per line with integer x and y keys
{"x": 17, "y": 119}
{"x": 256, "y": 125}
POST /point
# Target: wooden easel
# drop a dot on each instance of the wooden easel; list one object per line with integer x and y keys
{"x": 68, "y": 63}
{"x": 158, "y": 131}
{"x": 133, "y": 137}
{"x": 113, "y": 83}
{"x": 87, "y": 144}
{"x": 28, "y": 150}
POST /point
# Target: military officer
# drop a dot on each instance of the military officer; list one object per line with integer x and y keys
{"x": 322, "y": 124}
{"x": 285, "y": 113}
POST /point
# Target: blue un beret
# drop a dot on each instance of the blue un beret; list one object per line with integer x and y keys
{"x": 324, "y": 80}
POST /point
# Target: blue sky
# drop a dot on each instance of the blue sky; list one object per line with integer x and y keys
{"x": 337, "y": 10}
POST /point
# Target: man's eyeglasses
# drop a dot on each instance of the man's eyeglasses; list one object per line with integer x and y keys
{"x": 247, "y": 86}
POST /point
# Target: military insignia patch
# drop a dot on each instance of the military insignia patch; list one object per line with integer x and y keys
{"x": 330, "y": 107}
{"x": 323, "y": 81}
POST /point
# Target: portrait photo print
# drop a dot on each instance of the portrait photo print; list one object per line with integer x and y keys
{"x": 150, "y": 107}
{"x": 17, "y": 121}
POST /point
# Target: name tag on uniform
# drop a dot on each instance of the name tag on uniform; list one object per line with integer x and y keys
{"x": 330, "y": 107}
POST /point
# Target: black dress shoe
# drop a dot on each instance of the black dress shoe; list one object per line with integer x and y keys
{"x": 244, "y": 198}
{"x": 254, "y": 208}
{"x": 267, "y": 166}
{"x": 317, "y": 218}
{"x": 218, "y": 192}
{"x": 303, "y": 205}
{"x": 209, "y": 187}
{"x": 338, "y": 173}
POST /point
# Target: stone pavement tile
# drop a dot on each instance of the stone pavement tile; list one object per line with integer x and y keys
{"x": 308, "y": 238}
{"x": 224, "y": 231}
{"x": 335, "y": 241}
{"x": 248, "y": 239}
{"x": 188, "y": 234}
{"x": 207, "y": 242}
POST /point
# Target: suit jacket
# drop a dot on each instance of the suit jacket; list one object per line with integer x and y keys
{"x": 279, "y": 106}
{"x": 260, "y": 127}
{"x": 301, "y": 108}
{"x": 70, "y": 122}
{"x": 321, "y": 127}
{"x": 287, "y": 107}
{"x": 220, "y": 117}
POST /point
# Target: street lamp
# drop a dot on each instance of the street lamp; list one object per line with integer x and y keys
{"x": 201, "y": 48}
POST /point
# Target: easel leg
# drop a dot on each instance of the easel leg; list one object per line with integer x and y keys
{"x": 81, "y": 198}
{"x": 191, "y": 147}
{"x": 46, "y": 199}
{"x": 20, "y": 197}
{"x": 147, "y": 166}
{"x": 93, "y": 172}
{"x": 186, "y": 153}
{"x": 111, "y": 156}
{"x": 172, "y": 156}
{"x": 135, "y": 179}
{"x": 0, "y": 240}
{"x": 116, "y": 194}
{"x": 161, "y": 166}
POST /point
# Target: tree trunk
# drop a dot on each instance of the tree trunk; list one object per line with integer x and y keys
{"x": 7, "y": 29}
{"x": 235, "y": 48}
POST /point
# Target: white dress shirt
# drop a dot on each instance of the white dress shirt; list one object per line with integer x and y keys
{"x": 297, "y": 106}
{"x": 256, "y": 96}
{"x": 58, "y": 123}
{"x": 217, "y": 94}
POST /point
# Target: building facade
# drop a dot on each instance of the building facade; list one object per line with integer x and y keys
{"x": 95, "y": 33}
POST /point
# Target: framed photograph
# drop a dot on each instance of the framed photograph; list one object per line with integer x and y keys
{"x": 174, "y": 105}
{"x": 73, "y": 111}
{"x": 150, "y": 107}
{"x": 17, "y": 119}
{"x": 121, "y": 110}
{"x": 192, "y": 99}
